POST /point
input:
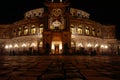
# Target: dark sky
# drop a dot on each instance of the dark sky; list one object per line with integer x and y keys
{"x": 103, "y": 11}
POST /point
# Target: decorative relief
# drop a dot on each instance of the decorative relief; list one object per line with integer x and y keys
{"x": 79, "y": 13}
{"x": 36, "y": 12}
{"x": 56, "y": 12}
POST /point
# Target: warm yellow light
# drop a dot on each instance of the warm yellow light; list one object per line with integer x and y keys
{"x": 60, "y": 45}
{"x": 106, "y": 46}
{"x": 10, "y": 46}
{"x": 102, "y": 46}
{"x": 89, "y": 45}
{"x": 6, "y": 47}
{"x": 33, "y": 45}
{"x": 80, "y": 45}
{"x": 96, "y": 45}
{"x": 16, "y": 46}
{"x": 23, "y": 45}
{"x": 53, "y": 46}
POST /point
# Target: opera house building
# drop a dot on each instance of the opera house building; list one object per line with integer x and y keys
{"x": 57, "y": 28}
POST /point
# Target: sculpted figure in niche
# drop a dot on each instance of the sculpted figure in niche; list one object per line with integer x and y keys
{"x": 57, "y": 24}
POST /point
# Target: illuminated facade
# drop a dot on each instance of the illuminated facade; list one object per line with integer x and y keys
{"x": 54, "y": 28}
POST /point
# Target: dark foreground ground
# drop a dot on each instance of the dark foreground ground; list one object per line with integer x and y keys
{"x": 59, "y": 67}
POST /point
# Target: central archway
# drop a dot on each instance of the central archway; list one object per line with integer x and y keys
{"x": 56, "y": 46}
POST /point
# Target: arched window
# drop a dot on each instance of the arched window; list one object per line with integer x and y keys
{"x": 87, "y": 30}
{"x": 72, "y": 44}
{"x": 14, "y": 32}
{"x": 25, "y": 30}
{"x": 72, "y": 29}
{"x": 41, "y": 44}
{"x": 33, "y": 29}
{"x": 71, "y": 25}
{"x": 19, "y": 31}
{"x": 98, "y": 33}
{"x": 93, "y": 31}
{"x": 40, "y": 28}
{"x": 79, "y": 30}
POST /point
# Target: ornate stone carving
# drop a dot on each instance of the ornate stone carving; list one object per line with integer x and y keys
{"x": 56, "y": 12}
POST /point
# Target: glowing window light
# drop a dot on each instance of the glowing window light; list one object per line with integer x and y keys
{"x": 72, "y": 44}
{"x": 106, "y": 46}
{"x": 87, "y": 31}
{"x": 6, "y": 47}
{"x": 89, "y": 45}
{"x": 80, "y": 45}
{"x": 33, "y": 30}
{"x": 40, "y": 30}
{"x": 41, "y": 25}
{"x": 33, "y": 25}
{"x": 40, "y": 44}
{"x": 25, "y": 31}
{"x": 79, "y": 30}
{"x": 72, "y": 36}
{"x": 96, "y": 45}
{"x": 61, "y": 46}
{"x": 23, "y": 45}
{"x": 16, "y": 46}
{"x": 102, "y": 46}
{"x": 33, "y": 45}
{"x": 10, "y": 46}
{"x": 53, "y": 46}
{"x": 72, "y": 30}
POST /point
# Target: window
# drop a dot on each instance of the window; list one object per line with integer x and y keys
{"x": 41, "y": 25}
{"x": 71, "y": 25}
{"x": 72, "y": 44}
{"x": 14, "y": 32}
{"x": 72, "y": 30}
{"x": 19, "y": 31}
{"x": 25, "y": 30}
{"x": 93, "y": 31}
{"x": 40, "y": 44}
{"x": 33, "y": 29}
{"x": 79, "y": 30}
{"x": 98, "y": 33}
{"x": 87, "y": 31}
{"x": 41, "y": 28}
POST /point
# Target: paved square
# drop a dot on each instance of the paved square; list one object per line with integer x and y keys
{"x": 59, "y": 67}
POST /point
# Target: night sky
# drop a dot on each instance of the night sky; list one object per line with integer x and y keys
{"x": 103, "y": 11}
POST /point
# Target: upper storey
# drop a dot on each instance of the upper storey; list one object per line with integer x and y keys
{"x": 34, "y": 13}
{"x": 57, "y": 8}
{"x": 79, "y": 13}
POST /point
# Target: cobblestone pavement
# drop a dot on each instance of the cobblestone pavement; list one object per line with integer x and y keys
{"x": 59, "y": 68}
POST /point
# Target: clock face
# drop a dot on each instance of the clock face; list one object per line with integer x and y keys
{"x": 56, "y": 12}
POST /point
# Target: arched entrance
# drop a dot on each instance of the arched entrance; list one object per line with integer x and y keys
{"x": 56, "y": 46}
